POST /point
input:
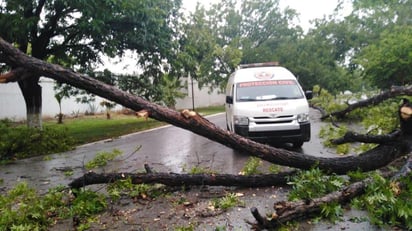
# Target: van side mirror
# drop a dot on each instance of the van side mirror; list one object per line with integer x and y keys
{"x": 229, "y": 99}
{"x": 309, "y": 94}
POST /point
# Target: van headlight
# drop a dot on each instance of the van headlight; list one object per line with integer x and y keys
{"x": 241, "y": 120}
{"x": 304, "y": 117}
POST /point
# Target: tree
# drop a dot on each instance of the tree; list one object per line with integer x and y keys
{"x": 192, "y": 121}
{"x": 108, "y": 105}
{"x": 230, "y": 32}
{"x": 256, "y": 31}
{"x": 59, "y": 97}
{"x": 389, "y": 150}
{"x": 171, "y": 90}
{"x": 264, "y": 29}
{"x": 75, "y": 33}
{"x": 389, "y": 61}
{"x": 356, "y": 41}
{"x": 382, "y": 29}
{"x": 312, "y": 60}
{"x": 201, "y": 55}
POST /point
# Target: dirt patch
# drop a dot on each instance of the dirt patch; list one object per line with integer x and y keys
{"x": 189, "y": 208}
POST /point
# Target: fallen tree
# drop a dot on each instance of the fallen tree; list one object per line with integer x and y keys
{"x": 389, "y": 149}
{"x": 23, "y": 63}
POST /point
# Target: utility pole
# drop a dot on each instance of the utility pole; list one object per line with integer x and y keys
{"x": 193, "y": 93}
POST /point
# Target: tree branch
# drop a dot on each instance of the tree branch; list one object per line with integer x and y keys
{"x": 350, "y": 137}
{"x": 291, "y": 210}
{"x": 394, "y": 91}
{"x": 14, "y": 75}
{"x": 174, "y": 179}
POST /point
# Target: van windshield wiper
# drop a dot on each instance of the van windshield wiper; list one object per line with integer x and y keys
{"x": 276, "y": 98}
{"x": 283, "y": 97}
{"x": 248, "y": 100}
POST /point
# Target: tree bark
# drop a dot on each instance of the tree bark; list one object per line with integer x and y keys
{"x": 32, "y": 94}
{"x": 382, "y": 155}
{"x": 31, "y": 90}
{"x": 174, "y": 179}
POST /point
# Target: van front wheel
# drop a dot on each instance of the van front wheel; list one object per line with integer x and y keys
{"x": 297, "y": 144}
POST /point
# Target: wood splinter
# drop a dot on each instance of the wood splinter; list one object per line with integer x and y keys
{"x": 188, "y": 113}
{"x": 5, "y": 78}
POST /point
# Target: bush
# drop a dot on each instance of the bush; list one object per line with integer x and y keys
{"x": 22, "y": 208}
{"x": 388, "y": 202}
{"x": 23, "y": 142}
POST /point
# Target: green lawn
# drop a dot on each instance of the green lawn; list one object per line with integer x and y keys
{"x": 86, "y": 129}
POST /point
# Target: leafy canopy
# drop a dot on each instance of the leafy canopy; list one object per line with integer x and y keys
{"x": 76, "y": 33}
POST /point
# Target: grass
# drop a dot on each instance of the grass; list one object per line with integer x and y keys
{"x": 86, "y": 129}
{"x": 210, "y": 110}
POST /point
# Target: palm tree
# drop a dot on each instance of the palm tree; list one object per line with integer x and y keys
{"x": 171, "y": 90}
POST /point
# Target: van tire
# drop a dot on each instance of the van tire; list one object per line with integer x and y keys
{"x": 297, "y": 144}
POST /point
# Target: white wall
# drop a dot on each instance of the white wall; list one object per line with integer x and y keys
{"x": 12, "y": 103}
{"x": 200, "y": 98}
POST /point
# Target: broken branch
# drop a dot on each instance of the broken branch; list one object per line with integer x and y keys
{"x": 291, "y": 210}
{"x": 174, "y": 179}
{"x": 350, "y": 137}
{"x": 394, "y": 91}
{"x": 14, "y": 75}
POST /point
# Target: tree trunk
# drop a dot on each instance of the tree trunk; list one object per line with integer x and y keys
{"x": 32, "y": 94}
{"x": 370, "y": 160}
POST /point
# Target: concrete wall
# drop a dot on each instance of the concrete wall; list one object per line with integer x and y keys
{"x": 12, "y": 104}
{"x": 199, "y": 98}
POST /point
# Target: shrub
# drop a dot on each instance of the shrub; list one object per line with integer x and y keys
{"x": 22, "y": 142}
{"x": 314, "y": 183}
{"x": 388, "y": 202}
{"x": 22, "y": 208}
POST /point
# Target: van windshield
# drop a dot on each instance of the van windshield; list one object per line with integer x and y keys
{"x": 268, "y": 90}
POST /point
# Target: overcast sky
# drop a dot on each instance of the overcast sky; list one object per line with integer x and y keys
{"x": 308, "y": 9}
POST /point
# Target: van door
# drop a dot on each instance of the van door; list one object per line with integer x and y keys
{"x": 229, "y": 105}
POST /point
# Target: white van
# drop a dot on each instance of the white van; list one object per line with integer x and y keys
{"x": 265, "y": 103}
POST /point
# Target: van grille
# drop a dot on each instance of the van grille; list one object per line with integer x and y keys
{"x": 267, "y": 117}
{"x": 273, "y": 122}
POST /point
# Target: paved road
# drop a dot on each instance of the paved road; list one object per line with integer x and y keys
{"x": 165, "y": 149}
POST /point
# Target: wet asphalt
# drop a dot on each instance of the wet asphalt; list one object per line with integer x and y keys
{"x": 164, "y": 149}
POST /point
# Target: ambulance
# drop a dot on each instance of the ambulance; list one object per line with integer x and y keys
{"x": 265, "y": 103}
